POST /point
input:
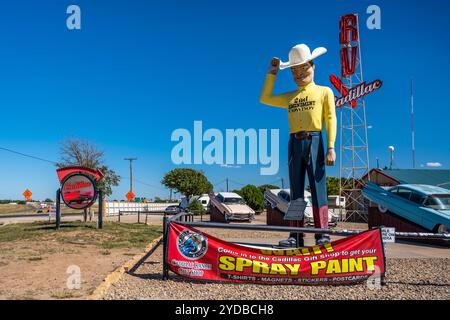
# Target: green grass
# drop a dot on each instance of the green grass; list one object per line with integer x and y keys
{"x": 34, "y": 258}
{"x": 64, "y": 294}
{"x": 113, "y": 234}
{"x": 29, "y": 210}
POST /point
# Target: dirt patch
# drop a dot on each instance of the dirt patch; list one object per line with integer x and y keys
{"x": 43, "y": 264}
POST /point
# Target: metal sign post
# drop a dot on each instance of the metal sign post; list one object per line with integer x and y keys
{"x": 58, "y": 208}
{"x": 100, "y": 210}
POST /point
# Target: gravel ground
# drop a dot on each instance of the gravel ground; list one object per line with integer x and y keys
{"x": 408, "y": 278}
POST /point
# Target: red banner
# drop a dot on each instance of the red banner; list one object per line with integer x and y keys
{"x": 195, "y": 254}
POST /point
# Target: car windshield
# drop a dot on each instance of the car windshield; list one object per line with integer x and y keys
{"x": 233, "y": 201}
{"x": 284, "y": 195}
{"x": 438, "y": 202}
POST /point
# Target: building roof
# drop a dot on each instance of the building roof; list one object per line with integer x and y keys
{"x": 440, "y": 178}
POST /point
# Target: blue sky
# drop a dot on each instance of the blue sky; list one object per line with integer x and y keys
{"x": 137, "y": 70}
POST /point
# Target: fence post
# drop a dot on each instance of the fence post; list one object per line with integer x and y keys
{"x": 165, "y": 248}
{"x": 119, "y": 215}
{"x": 100, "y": 210}
{"x": 139, "y": 216}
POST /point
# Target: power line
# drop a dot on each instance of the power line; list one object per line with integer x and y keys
{"x": 217, "y": 183}
{"x": 28, "y": 155}
{"x": 54, "y": 162}
{"x": 235, "y": 182}
{"x": 143, "y": 183}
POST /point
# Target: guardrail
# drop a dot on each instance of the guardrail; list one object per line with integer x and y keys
{"x": 147, "y": 213}
{"x": 113, "y": 207}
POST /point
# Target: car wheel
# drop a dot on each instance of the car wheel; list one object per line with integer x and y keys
{"x": 443, "y": 229}
{"x": 382, "y": 209}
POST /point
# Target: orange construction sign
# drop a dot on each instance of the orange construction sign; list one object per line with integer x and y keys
{"x": 130, "y": 196}
{"x": 27, "y": 194}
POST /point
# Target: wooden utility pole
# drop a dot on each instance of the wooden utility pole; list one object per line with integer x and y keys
{"x": 131, "y": 171}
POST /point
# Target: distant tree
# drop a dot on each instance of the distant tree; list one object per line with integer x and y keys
{"x": 265, "y": 187}
{"x": 254, "y": 197}
{"x": 238, "y": 191}
{"x": 48, "y": 200}
{"x": 188, "y": 182}
{"x": 159, "y": 200}
{"x": 333, "y": 186}
{"x": 75, "y": 152}
{"x": 196, "y": 207}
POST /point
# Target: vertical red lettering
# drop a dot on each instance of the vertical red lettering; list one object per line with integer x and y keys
{"x": 348, "y": 33}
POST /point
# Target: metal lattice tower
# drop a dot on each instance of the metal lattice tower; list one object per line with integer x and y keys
{"x": 354, "y": 146}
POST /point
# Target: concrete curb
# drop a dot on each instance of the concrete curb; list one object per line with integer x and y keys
{"x": 115, "y": 276}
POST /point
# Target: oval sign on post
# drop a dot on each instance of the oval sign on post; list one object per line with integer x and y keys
{"x": 78, "y": 191}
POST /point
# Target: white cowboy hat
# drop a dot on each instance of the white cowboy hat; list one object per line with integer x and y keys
{"x": 301, "y": 54}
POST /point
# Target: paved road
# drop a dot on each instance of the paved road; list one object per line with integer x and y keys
{"x": 132, "y": 218}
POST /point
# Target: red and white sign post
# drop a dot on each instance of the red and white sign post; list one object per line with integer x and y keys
{"x": 78, "y": 190}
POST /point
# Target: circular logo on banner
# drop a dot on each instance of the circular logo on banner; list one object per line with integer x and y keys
{"x": 192, "y": 245}
{"x": 78, "y": 191}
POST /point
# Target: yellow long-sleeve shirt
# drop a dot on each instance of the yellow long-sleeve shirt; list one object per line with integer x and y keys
{"x": 308, "y": 107}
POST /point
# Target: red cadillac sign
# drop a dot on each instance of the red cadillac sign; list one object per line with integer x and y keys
{"x": 78, "y": 191}
{"x": 78, "y": 186}
{"x": 197, "y": 255}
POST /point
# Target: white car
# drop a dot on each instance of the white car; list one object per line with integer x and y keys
{"x": 229, "y": 206}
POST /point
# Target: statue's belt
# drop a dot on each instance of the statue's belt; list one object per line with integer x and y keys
{"x": 305, "y": 134}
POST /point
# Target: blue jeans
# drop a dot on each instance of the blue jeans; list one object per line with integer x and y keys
{"x": 307, "y": 155}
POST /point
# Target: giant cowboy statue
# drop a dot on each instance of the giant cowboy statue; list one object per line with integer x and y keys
{"x": 309, "y": 108}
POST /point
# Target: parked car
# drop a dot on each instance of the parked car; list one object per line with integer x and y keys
{"x": 174, "y": 209}
{"x": 425, "y": 205}
{"x": 280, "y": 199}
{"x": 77, "y": 196}
{"x": 231, "y": 207}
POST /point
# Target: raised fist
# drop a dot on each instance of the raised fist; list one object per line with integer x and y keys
{"x": 274, "y": 65}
